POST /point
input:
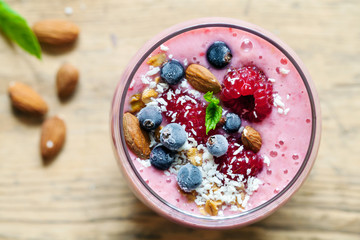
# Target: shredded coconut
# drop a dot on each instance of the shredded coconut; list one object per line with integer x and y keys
{"x": 152, "y": 139}
{"x": 238, "y": 150}
{"x": 286, "y": 111}
{"x": 186, "y": 113}
{"x": 146, "y": 163}
{"x": 193, "y": 131}
{"x": 170, "y": 94}
{"x": 284, "y": 71}
{"x": 164, "y": 48}
{"x": 153, "y": 71}
{"x": 266, "y": 160}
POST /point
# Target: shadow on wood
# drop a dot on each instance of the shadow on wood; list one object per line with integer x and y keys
{"x": 58, "y": 49}
{"x": 28, "y": 119}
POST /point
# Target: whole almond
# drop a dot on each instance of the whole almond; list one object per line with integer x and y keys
{"x": 251, "y": 139}
{"x": 136, "y": 138}
{"x": 56, "y": 31}
{"x": 53, "y": 133}
{"x": 67, "y": 79}
{"x": 24, "y": 98}
{"x": 202, "y": 79}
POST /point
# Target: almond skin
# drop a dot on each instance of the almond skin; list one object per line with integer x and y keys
{"x": 251, "y": 139}
{"x": 24, "y": 98}
{"x": 53, "y": 133}
{"x": 202, "y": 79}
{"x": 67, "y": 79}
{"x": 136, "y": 138}
{"x": 56, "y": 31}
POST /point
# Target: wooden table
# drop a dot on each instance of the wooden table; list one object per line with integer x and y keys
{"x": 82, "y": 194}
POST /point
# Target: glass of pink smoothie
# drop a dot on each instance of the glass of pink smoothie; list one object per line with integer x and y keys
{"x": 290, "y": 128}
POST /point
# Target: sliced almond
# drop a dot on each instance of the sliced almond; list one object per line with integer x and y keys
{"x": 24, "y": 98}
{"x": 136, "y": 138}
{"x": 215, "y": 187}
{"x": 157, "y": 79}
{"x": 251, "y": 139}
{"x": 67, "y": 79}
{"x": 190, "y": 196}
{"x": 135, "y": 98}
{"x": 53, "y": 133}
{"x": 212, "y": 207}
{"x": 56, "y": 31}
{"x": 147, "y": 94}
{"x": 136, "y": 106}
{"x": 157, "y": 59}
{"x": 136, "y": 103}
{"x": 240, "y": 201}
{"x": 202, "y": 79}
{"x": 195, "y": 157}
{"x": 157, "y": 133}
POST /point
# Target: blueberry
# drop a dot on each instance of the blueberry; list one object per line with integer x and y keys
{"x": 161, "y": 157}
{"x": 150, "y": 118}
{"x": 189, "y": 177}
{"x": 173, "y": 136}
{"x": 217, "y": 145}
{"x": 232, "y": 123}
{"x": 219, "y": 54}
{"x": 172, "y": 72}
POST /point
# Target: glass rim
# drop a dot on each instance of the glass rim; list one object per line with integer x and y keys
{"x": 281, "y": 47}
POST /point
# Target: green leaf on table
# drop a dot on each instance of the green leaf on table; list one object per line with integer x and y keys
{"x": 16, "y": 28}
{"x": 213, "y": 112}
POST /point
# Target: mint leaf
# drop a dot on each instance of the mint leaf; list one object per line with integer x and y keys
{"x": 16, "y": 28}
{"x": 213, "y": 112}
{"x": 209, "y": 98}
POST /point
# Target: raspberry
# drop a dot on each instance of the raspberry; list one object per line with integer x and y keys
{"x": 248, "y": 93}
{"x": 240, "y": 162}
{"x": 189, "y": 112}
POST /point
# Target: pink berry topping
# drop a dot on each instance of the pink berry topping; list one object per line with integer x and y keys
{"x": 239, "y": 161}
{"x": 248, "y": 92}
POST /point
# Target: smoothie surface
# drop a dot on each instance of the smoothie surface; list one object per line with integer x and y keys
{"x": 285, "y": 132}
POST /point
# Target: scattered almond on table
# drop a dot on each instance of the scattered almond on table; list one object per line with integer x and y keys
{"x": 67, "y": 79}
{"x": 27, "y": 100}
{"x": 56, "y": 31}
{"x": 24, "y": 98}
{"x": 53, "y": 133}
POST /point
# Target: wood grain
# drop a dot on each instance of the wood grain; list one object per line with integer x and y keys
{"x": 81, "y": 195}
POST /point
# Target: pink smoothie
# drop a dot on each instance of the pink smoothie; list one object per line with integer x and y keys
{"x": 285, "y": 132}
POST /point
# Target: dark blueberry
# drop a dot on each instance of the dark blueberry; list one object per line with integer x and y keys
{"x": 150, "y": 118}
{"x": 232, "y": 123}
{"x": 189, "y": 177}
{"x": 172, "y": 72}
{"x": 161, "y": 157}
{"x": 219, "y": 54}
{"x": 217, "y": 145}
{"x": 173, "y": 136}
